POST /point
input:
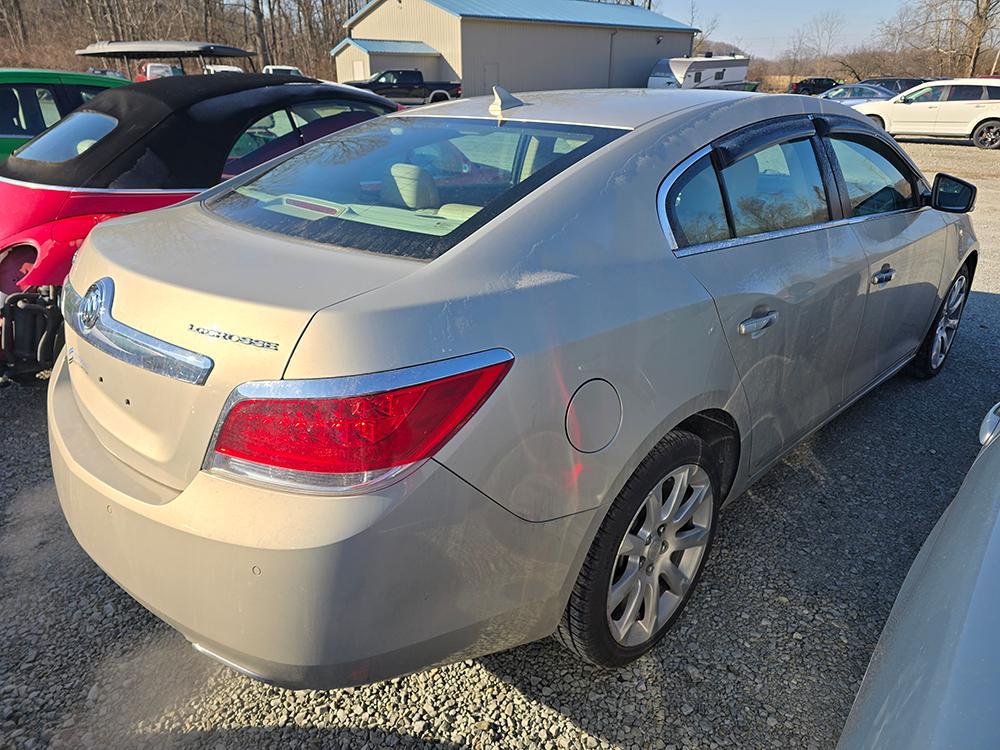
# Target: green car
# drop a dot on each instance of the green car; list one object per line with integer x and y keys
{"x": 32, "y": 100}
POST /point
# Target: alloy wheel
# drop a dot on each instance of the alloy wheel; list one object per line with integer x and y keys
{"x": 660, "y": 555}
{"x": 988, "y": 136}
{"x": 947, "y": 325}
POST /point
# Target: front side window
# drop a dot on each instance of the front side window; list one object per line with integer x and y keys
{"x": 79, "y": 132}
{"x": 779, "y": 187}
{"x": 697, "y": 77}
{"x": 875, "y": 184}
{"x": 408, "y": 186}
{"x": 695, "y": 207}
{"x": 993, "y": 92}
{"x": 965, "y": 93}
{"x": 311, "y": 111}
{"x": 926, "y": 94}
{"x": 261, "y": 133}
{"x": 46, "y": 99}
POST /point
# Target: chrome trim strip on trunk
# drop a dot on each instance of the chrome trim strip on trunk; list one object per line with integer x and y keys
{"x": 90, "y": 317}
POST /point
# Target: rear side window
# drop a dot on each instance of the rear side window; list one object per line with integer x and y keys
{"x": 69, "y": 138}
{"x": 695, "y": 207}
{"x": 26, "y": 110}
{"x": 779, "y": 187}
{"x": 875, "y": 184}
{"x": 965, "y": 93}
{"x": 993, "y": 92}
{"x": 408, "y": 186}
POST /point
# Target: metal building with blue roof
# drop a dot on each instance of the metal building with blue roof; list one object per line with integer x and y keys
{"x": 523, "y": 45}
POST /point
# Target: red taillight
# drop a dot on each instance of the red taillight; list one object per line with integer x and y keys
{"x": 361, "y": 435}
{"x": 458, "y": 92}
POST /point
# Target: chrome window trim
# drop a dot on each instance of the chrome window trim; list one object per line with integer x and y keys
{"x": 290, "y": 480}
{"x": 707, "y": 247}
{"x": 87, "y": 191}
{"x": 129, "y": 345}
{"x": 661, "y": 195}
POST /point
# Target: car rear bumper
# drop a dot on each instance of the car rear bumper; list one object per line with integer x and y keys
{"x": 309, "y": 591}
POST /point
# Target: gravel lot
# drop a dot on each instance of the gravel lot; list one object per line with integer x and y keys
{"x": 769, "y": 653}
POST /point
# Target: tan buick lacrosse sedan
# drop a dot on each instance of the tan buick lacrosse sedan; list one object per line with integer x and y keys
{"x": 470, "y": 375}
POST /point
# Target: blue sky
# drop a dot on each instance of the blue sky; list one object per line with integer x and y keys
{"x": 766, "y": 28}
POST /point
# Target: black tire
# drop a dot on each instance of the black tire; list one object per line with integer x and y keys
{"x": 987, "y": 134}
{"x": 877, "y": 121}
{"x": 585, "y": 628}
{"x": 926, "y": 364}
{"x": 438, "y": 98}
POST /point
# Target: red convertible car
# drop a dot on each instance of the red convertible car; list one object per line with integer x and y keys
{"x": 134, "y": 149}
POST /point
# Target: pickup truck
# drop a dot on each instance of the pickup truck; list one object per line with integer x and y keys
{"x": 409, "y": 87}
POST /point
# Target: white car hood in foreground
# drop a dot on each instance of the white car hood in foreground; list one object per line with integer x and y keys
{"x": 934, "y": 679}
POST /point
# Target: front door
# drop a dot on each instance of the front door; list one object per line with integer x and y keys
{"x": 905, "y": 245}
{"x": 789, "y": 287}
{"x": 917, "y": 112}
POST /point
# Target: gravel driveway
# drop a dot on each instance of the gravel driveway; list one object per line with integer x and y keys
{"x": 768, "y": 654}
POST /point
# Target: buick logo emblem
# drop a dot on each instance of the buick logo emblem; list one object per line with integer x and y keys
{"x": 90, "y": 307}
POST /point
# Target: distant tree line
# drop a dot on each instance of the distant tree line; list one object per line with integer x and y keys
{"x": 924, "y": 37}
{"x": 293, "y": 32}
{"x": 948, "y": 38}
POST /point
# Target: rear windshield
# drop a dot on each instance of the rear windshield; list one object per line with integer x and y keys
{"x": 69, "y": 138}
{"x": 408, "y": 186}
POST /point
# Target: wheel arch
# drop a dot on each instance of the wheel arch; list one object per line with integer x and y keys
{"x": 719, "y": 431}
{"x": 6, "y": 255}
{"x": 991, "y": 118}
{"x": 972, "y": 260}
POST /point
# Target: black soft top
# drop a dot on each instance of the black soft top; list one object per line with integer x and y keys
{"x": 176, "y": 132}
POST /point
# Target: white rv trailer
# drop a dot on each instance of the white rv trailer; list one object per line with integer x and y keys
{"x": 698, "y": 72}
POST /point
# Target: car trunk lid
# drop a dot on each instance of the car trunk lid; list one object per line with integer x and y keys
{"x": 190, "y": 280}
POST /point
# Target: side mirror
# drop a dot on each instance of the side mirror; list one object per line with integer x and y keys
{"x": 952, "y": 194}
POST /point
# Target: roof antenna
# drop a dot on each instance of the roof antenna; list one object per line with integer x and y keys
{"x": 503, "y": 99}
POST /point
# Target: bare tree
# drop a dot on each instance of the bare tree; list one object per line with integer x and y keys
{"x": 823, "y": 31}
{"x": 706, "y": 26}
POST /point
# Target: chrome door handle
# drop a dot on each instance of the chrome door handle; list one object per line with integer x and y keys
{"x": 755, "y": 325}
{"x": 883, "y": 275}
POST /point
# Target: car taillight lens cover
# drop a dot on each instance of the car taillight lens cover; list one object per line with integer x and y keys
{"x": 352, "y": 440}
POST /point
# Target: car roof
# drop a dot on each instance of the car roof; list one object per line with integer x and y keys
{"x": 40, "y": 75}
{"x": 609, "y": 108}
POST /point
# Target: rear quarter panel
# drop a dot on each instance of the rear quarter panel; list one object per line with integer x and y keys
{"x": 578, "y": 281}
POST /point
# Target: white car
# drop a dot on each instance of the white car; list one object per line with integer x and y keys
{"x": 962, "y": 108}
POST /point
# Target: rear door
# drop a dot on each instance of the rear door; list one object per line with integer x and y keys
{"x": 905, "y": 245}
{"x": 961, "y": 109}
{"x": 752, "y": 221}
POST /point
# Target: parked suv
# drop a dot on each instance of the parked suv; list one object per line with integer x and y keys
{"x": 959, "y": 108}
{"x": 811, "y": 86}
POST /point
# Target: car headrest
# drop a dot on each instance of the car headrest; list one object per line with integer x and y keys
{"x": 409, "y": 186}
